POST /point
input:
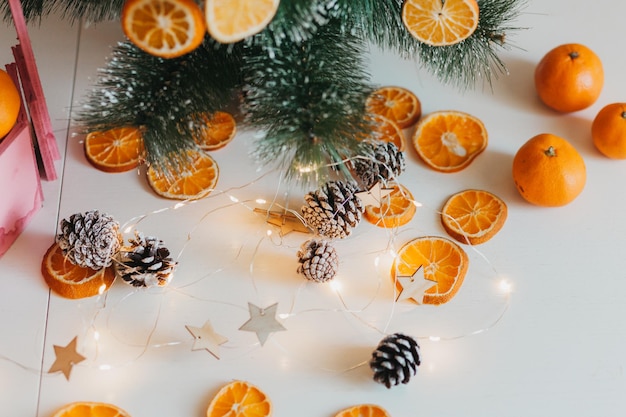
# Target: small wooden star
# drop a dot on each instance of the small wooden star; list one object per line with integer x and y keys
{"x": 286, "y": 221}
{"x": 262, "y": 322}
{"x": 374, "y": 196}
{"x": 66, "y": 358}
{"x": 414, "y": 287}
{"x": 205, "y": 337}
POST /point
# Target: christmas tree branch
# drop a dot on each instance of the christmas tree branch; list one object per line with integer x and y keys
{"x": 162, "y": 97}
{"x": 309, "y": 99}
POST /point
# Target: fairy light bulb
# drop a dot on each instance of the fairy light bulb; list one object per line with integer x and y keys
{"x": 505, "y": 286}
{"x": 233, "y": 199}
{"x": 335, "y": 285}
{"x": 260, "y": 201}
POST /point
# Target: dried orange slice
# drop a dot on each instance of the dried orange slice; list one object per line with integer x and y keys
{"x": 396, "y": 209}
{"x": 164, "y": 28}
{"x": 114, "y": 150}
{"x": 473, "y": 216}
{"x": 363, "y": 410}
{"x": 90, "y": 409}
{"x": 230, "y": 21}
{"x": 195, "y": 178}
{"x": 448, "y": 141}
{"x": 396, "y": 104}
{"x": 443, "y": 262}
{"x": 388, "y": 131}
{"x": 240, "y": 399}
{"x": 440, "y": 22}
{"x": 73, "y": 281}
{"x": 217, "y": 130}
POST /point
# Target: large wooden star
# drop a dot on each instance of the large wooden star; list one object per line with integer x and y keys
{"x": 414, "y": 286}
{"x": 205, "y": 337}
{"x": 286, "y": 221}
{"x": 262, "y": 322}
{"x": 66, "y": 358}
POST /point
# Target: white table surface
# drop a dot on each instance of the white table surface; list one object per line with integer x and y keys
{"x": 554, "y": 346}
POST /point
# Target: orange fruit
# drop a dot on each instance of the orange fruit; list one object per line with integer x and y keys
{"x": 439, "y": 23}
{"x": 396, "y": 104}
{"x": 73, "y": 281}
{"x": 217, "y": 130}
{"x": 230, "y": 21}
{"x": 363, "y": 410}
{"x": 549, "y": 171}
{"x": 473, "y": 216}
{"x": 448, "y": 141}
{"x": 195, "y": 178}
{"x": 240, "y": 399}
{"x": 387, "y": 130}
{"x": 164, "y": 28}
{"x": 444, "y": 263}
{"x": 10, "y": 103}
{"x": 608, "y": 130}
{"x": 569, "y": 78}
{"x": 396, "y": 209}
{"x": 90, "y": 409}
{"x": 115, "y": 150}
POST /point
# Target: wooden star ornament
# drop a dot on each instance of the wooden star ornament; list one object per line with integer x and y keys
{"x": 66, "y": 358}
{"x": 374, "y": 196}
{"x": 262, "y": 322}
{"x": 205, "y": 337}
{"x": 414, "y": 286}
{"x": 286, "y": 221}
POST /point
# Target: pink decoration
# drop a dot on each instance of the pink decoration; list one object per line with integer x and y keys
{"x": 22, "y": 196}
{"x": 33, "y": 94}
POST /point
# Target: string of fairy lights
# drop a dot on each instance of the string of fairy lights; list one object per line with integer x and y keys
{"x": 374, "y": 312}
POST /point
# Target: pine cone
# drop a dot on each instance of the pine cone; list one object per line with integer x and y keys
{"x": 318, "y": 260}
{"x": 145, "y": 263}
{"x": 333, "y": 210}
{"x": 384, "y": 162}
{"x": 90, "y": 239}
{"x": 395, "y": 360}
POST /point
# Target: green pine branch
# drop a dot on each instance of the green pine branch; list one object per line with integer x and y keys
{"x": 162, "y": 97}
{"x": 72, "y": 10}
{"x": 309, "y": 100}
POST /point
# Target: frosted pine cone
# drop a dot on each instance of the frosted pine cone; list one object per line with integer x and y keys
{"x": 384, "y": 162}
{"x": 318, "y": 260}
{"x": 145, "y": 263}
{"x": 333, "y": 210}
{"x": 395, "y": 360}
{"x": 89, "y": 239}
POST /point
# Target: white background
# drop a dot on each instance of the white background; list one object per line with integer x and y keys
{"x": 554, "y": 347}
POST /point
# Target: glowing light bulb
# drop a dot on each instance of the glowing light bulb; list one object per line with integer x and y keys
{"x": 128, "y": 229}
{"x": 335, "y": 285}
{"x": 233, "y": 199}
{"x": 269, "y": 232}
{"x": 505, "y": 286}
{"x": 377, "y": 261}
{"x": 102, "y": 289}
{"x": 96, "y": 335}
{"x": 105, "y": 367}
{"x": 417, "y": 203}
{"x": 260, "y": 201}
{"x": 434, "y": 338}
{"x": 179, "y": 205}
{"x": 283, "y": 315}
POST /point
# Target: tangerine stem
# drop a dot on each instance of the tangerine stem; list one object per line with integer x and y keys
{"x": 573, "y": 54}
{"x": 550, "y": 151}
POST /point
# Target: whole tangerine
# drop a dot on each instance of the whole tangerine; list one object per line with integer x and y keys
{"x": 548, "y": 171}
{"x": 608, "y": 130}
{"x": 569, "y": 78}
{"x": 10, "y": 103}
